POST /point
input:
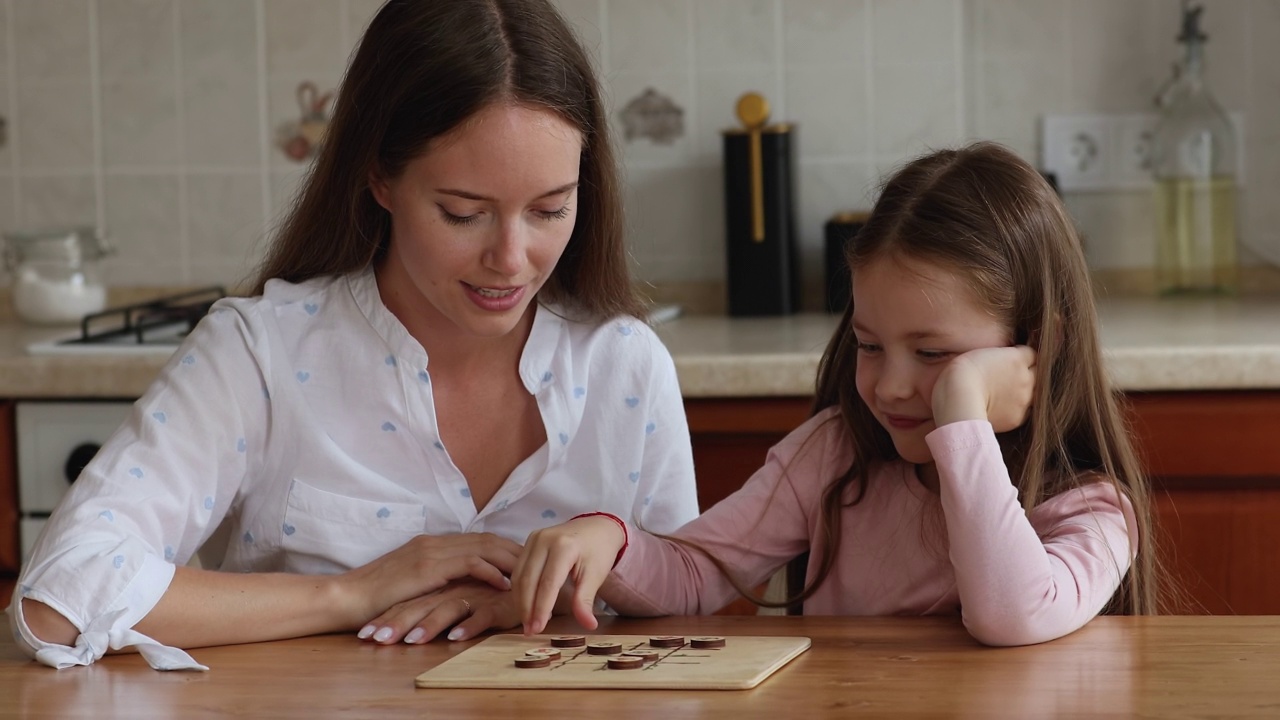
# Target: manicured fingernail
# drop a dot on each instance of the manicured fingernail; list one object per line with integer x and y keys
{"x": 415, "y": 635}
{"x": 455, "y": 634}
{"x": 366, "y": 631}
{"x": 384, "y": 634}
{"x": 507, "y": 581}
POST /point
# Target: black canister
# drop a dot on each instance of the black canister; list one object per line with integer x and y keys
{"x": 763, "y": 263}
{"x": 838, "y": 232}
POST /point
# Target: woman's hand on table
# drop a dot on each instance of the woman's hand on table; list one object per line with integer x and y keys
{"x": 424, "y": 565}
{"x": 469, "y": 608}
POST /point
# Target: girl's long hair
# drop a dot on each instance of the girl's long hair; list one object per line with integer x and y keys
{"x": 984, "y": 213}
{"x": 423, "y": 68}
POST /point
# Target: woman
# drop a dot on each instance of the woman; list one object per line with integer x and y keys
{"x": 442, "y": 356}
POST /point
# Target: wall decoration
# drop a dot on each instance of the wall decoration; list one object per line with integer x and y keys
{"x": 300, "y": 139}
{"x": 654, "y": 116}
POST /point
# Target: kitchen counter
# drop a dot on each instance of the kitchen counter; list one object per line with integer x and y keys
{"x": 1149, "y": 344}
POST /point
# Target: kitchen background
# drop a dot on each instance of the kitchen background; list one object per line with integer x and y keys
{"x": 174, "y": 124}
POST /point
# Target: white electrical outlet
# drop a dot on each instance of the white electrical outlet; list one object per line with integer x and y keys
{"x": 1076, "y": 149}
{"x": 1108, "y": 152}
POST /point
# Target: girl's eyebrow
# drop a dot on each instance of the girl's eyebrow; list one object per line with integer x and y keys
{"x": 473, "y": 196}
{"x": 915, "y": 335}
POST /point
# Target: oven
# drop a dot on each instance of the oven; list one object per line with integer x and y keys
{"x": 55, "y": 441}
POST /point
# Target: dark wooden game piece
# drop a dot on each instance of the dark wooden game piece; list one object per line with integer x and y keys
{"x": 533, "y": 661}
{"x": 625, "y": 662}
{"x": 569, "y": 641}
{"x": 706, "y": 643}
{"x": 604, "y": 648}
{"x": 666, "y": 641}
{"x": 646, "y": 655}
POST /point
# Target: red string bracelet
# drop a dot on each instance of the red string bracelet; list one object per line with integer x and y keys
{"x": 626, "y": 539}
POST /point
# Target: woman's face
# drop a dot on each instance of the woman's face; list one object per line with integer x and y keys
{"x": 479, "y": 221}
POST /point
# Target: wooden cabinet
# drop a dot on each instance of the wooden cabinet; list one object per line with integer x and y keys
{"x": 1214, "y": 459}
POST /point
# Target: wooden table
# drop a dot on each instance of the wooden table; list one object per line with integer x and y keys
{"x": 1168, "y": 667}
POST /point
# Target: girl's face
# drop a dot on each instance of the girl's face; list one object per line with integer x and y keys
{"x": 910, "y": 319}
{"x": 479, "y": 221}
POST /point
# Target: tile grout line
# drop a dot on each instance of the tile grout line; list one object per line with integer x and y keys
{"x": 184, "y": 212}
{"x": 11, "y": 57}
{"x": 95, "y": 105}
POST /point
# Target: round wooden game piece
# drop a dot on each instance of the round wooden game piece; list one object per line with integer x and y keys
{"x": 604, "y": 648}
{"x": 548, "y": 652}
{"x": 533, "y": 661}
{"x": 625, "y": 662}
{"x": 705, "y": 643}
{"x": 568, "y": 641}
{"x": 645, "y": 655}
{"x": 666, "y": 641}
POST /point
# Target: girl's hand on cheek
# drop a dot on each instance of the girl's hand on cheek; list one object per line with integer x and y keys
{"x": 993, "y": 384}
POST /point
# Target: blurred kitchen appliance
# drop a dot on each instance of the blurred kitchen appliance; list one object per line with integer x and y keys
{"x": 152, "y": 327}
{"x": 55, "y": 274}
{"x": 837, "y": 233}
{"x": 763, "y": 275}
{"x": 55, "y": 441}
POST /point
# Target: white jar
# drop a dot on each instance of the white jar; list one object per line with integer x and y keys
{"x": 55, "y": 275}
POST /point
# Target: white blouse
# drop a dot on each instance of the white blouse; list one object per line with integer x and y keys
{"x": 302, "y": 422}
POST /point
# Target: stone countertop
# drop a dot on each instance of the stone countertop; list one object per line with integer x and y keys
{"x": 1149, "y": 344}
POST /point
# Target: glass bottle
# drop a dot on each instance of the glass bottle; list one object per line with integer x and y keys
{"x": 55, "y": 274}
{"x": 1194, "y": 163}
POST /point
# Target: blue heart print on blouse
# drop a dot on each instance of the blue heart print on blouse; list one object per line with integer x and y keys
{"x": 136, "y": 472}
{"x": 289, "y": 529}
{"x": 188, "y": 360}
{"x": 390, "y": 361}
{"x": 648, "y": 499}
{"x": 437, "y": 445}
{"x": 624, "y": 329}
{"x": 168, "y": 553}
{"x": 423, "y": 376}
{"x": 247, "y": 537}
{"x": 302, "y": 376}
{"x": 118, "y": 561}
{"x": 503, "y": 505}
{"x": 208, "y": 503}
{"x": 388, "y": 426}
{"x": 384, "y": 513}
{"x": 110, "y": 517}
{"x": 564, "y": 439}
{"x": 160, "y": 417}
{"x": 548, "y": 514}
{"x": 311, "y": 308}
{"x": 241, "y": 445}
{"x": 465, "y": 492}
{"x": 634, "y": 477}
{"x": 632, "y": 401}
{"x": 547, "y": 376}
{"x": 579, "y": 391}
{"x": 648, "y": 429}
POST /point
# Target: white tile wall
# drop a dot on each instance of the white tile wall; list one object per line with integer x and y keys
{"x": 156, "y": 118}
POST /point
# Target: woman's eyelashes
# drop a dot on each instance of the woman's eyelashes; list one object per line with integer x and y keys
{"x": 559, "y": 214}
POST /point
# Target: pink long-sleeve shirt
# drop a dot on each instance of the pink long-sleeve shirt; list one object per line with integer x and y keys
{"x": 1016, "y": 577}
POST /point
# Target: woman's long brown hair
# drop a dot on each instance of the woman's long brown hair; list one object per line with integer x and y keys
{"x": 423, "y": 68}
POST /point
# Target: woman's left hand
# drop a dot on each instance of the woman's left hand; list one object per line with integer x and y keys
{"x": 469, "y": 608}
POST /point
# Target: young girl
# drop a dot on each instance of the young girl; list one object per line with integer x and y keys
{"x": 966, "y": 454}
{"x": 443, "y": 343}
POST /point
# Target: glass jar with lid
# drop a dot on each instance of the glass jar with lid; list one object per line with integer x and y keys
{"x": 55, "y": 275}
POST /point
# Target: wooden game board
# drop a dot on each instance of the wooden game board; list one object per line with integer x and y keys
{"x": 742, "y": 663}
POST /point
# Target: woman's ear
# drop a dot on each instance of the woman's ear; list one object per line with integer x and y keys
{"x": 380, "y": 187}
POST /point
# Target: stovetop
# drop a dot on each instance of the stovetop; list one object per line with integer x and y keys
{"x": 149, "y": 328}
